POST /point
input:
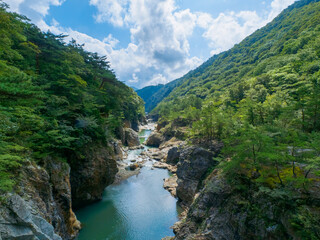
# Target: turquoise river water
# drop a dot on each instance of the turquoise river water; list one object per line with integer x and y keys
{"x": 136, "y": 209}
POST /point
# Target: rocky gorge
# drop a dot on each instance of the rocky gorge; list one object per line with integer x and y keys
{"x": 216, "y": 209}
{"x": 42, "y": 206}
{"x": 212, "y": 207}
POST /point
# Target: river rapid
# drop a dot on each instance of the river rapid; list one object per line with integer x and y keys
{"x": 137, "y": 208}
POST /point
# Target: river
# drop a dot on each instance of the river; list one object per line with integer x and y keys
{"x": 135, "y": 209}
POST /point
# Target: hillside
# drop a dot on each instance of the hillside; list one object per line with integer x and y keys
{"x": 153, "y": 95}
{"x": 63, "y": 117}
{"x": 272, "y": 47}
{"x": 147, "y": 93}
{"x": 237, "y": 142}
{"x": 251, "y": 123}
{"x": 55, "y": 97}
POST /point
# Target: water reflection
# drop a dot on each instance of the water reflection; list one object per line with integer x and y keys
{"x": 136, "y": 209}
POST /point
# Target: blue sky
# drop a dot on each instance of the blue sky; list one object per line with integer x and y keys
{"x": 152, "y": 41}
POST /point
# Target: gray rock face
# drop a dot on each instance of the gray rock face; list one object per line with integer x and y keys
{"x": 193, "y": 165}
{"x": 131, "y": 137}
{"x": 173, "y": 156}
{"x": 60, "y": 179}
{"x": 42, "y": 207}
{"x": 219, "y": 213}
{"x": 211, "y": 197}
{"x": 19, "y": 221}
{"x": 155, "y": 139}
{"x": 90, "y": 176}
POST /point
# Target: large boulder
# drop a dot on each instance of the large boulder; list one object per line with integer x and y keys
{"x": 18, "y": 221}
{"x": 134, "y": 166}
{"x": 134, "y": 124}
{"x": 173, "y": 156}
{"x": 42, "y": 208}
{"x": 194, "y": 164}
{"x": 154, "y": 140}
{"x": 131, "y": 137}
{"x": 143, "y": 120}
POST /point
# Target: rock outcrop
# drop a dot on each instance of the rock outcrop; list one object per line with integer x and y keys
{"x": 173, "y": 156}
{"x": 194, "y": 164}
{"x": 170, "y": 168}
{"x": 222, "y": 212}
{"x": 134, "y": 124}
{"x": 18, "y": 221}
{"x": 131, "y": 138}
{"x": 155, "y": 139}
{"x": 41, "y": 208}
{"x": 170, "y": 184}
{"x": 90, "y": 175}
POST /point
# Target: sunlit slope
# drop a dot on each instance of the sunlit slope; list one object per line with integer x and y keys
{"x": 289, "y": 44}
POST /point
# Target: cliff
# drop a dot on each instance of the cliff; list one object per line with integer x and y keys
{"x": 90, "y": 175}
{"x": 221, "y": 211}
{"x": 41, "y": 207}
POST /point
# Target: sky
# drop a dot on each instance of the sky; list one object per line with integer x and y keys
{"x": 149, "y": 42}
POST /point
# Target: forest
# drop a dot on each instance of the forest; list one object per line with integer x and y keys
{"x": 262, "y": 100}
{"x": 242, "y": 132}
{"x": 55, "y": 97}
{"x": 263, "y": 94}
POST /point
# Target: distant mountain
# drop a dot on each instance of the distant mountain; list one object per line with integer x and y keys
{"x": 152, "y": 95}
{"x": 147, "y": 93}
{"x": 260, "y": 103}
{"x": 278, "y": 45}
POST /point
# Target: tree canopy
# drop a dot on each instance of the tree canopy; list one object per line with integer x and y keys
{"x": 55, "y": 97}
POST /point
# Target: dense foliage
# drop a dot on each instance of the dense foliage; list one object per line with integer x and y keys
{"x": 147, "y": 93}
{"x": 55, "y": 98}
{"x": 262, "y": 100}
{"x": 153, "y": 95}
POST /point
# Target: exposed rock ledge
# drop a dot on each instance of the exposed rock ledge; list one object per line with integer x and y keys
{"x": 91, "y": 175}
{"x": 170, "y": 184}
{"x": 42, "y": 207}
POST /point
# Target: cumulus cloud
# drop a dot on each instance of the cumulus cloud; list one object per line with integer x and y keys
{"x": 160, "y": 34}
{"x": 33, "y": 9}
{"x": 159, "y": 45}
{"x": 158, "y": 79}
{"x": 112, "y": 11}
{"x": 228, "y": 28}
{"x": 277, "y": 6}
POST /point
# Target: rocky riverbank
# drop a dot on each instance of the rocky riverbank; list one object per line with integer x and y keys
{"x": 41, "y": 207}
{"x": 216, "y": 209}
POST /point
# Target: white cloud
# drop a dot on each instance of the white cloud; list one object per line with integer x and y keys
{"x": 14, "y": 4}
{"x": 111, "y": 40}
{"x": 112, "y": 11}
{"x": 277, "y": 6}
{"x": 229, "y": 28}
{"x": 34, "y": 9}
{"x": 160, "y": 32}
{"x": 134, "y": 79}
{"x": 158, "y": 79}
